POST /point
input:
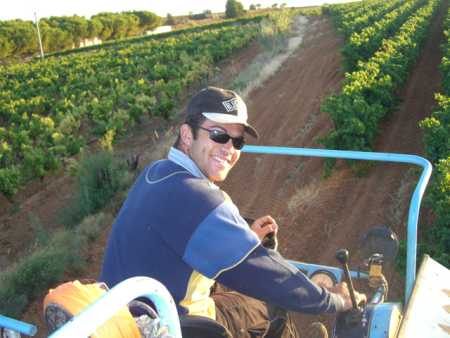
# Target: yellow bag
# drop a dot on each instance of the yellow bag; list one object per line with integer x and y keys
{"x": 72, "y": 297}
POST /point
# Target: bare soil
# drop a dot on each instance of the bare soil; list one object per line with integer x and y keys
{"x": 316, "y": 215}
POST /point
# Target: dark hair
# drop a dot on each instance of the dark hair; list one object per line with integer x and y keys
{"x": 194, "y": 121}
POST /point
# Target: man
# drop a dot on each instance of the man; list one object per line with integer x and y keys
{"x": 178, "y": 227}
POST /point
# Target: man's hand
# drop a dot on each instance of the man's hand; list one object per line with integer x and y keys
{"x": 264, "y": 226}
{"x": 342, "y": 290}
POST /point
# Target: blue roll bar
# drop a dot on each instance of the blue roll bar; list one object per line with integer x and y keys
{"x": 86, "y": 322}
{"x": 17, "y": 326}
{"x": 414, "y": 208}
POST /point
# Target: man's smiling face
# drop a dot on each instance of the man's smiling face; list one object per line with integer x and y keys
{"x": 215, "y": 160}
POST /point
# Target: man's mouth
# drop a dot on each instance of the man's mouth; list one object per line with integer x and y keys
{"x": 221, "y": 160}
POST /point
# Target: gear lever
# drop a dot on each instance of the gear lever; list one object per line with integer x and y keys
{"x": 342, "y": 257}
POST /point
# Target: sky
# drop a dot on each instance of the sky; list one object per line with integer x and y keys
{"x": 25, "y": 9}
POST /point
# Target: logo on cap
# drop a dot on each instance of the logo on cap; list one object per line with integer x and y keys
{"x": 231, "y": 104}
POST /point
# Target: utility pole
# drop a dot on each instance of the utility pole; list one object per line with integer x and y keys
{"x": 39, "y": 35}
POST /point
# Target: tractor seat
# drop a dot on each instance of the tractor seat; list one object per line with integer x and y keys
{"x": 202, "y": 327}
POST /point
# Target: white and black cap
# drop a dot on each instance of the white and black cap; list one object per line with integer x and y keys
{"x": 221, "y": 106}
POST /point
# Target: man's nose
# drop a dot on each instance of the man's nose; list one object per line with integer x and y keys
{"x": 228, "y": 146}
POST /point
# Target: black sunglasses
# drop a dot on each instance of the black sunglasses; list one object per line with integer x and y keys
{"x": 222, "y": 137}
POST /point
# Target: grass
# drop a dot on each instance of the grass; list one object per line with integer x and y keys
{"x": 40, "y": 234}
{"x": 100, "y": 177}
{"x": 30, "y": 277}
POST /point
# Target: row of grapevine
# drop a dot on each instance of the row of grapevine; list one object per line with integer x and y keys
{"x": 363, "y": 44}
{"x": 368, "y": 93}
{"x": 49, "y": 109}
{"x": 349, "y": 11}
{"x": 363, "y": 16}
{"x": 437, "y": 146}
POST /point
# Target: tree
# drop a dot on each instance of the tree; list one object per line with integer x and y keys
{"x": 94, "y": 28}
{"x": 170, "y": 20}
{"x": 208, "y": 13}
{"x": 124, "y": 25}
{"x": 75, "y": 26}
{"x": 24, "y": 38}
{"x": 103, "y": 22}
{"x": 6, "y": 45}
{"x": 6, "y": 48}
{"x": 252, "y": 7}
{"x": 234, "y": 9}
{"x": 131, "y": 23}
{"x": 147, "y": 20}
{"x": 54, "y": 38}
{"x": 19, "y": 38}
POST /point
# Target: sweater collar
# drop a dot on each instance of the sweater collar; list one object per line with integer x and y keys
{"x": 185, "y": 161}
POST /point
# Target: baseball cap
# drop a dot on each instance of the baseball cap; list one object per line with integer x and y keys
{"x": 221, "y": 106}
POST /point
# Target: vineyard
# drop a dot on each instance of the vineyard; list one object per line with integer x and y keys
{"x": 368, "y": 93}
{"x": 379, "y": 58}
{"x": 437, "y": 147}
{"x": 52, "y": 110}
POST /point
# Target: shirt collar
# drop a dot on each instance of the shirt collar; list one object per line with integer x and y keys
{"x": 185, "y": 161}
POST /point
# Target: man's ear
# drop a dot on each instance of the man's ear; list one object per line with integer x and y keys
{"x": 186, "y": 135}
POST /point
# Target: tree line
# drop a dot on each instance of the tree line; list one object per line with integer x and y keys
{"x": 18, "y": 38}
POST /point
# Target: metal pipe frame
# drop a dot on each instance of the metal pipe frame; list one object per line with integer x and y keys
{"x": 414, "y": 207}
{"x": 17, "y": 326}
{"x": 85, "y": 323}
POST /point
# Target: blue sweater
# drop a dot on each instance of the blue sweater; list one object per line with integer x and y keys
{"x": 179, "y": 228}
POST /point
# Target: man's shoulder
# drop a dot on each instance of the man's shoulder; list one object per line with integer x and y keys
{"x": 201, "y": 189}
{"x": 170, "y": 175}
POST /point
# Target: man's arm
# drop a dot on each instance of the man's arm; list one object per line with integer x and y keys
{"x": 265, "y": 275}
